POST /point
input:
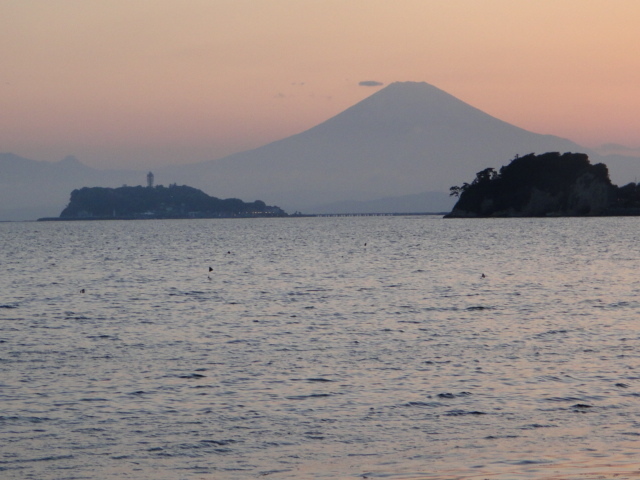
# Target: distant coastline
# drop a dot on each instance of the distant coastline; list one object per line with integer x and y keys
{"x": 294, "y": 215}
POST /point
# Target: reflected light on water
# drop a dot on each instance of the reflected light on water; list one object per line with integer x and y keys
{"x": 305, "y": 353}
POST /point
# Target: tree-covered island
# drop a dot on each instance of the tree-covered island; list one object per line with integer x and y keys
{"x": 94, "y": 203}
{"x": 550, "y": 184}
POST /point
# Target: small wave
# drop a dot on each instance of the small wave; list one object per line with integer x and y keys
{"x": 460, "y": 413}
{"x": 440, "y": 309}
{"x": 220, "y": 443}
{"x": 616, "y": 305}
{"x": 192, "y": 376}
{"x": 454, "y": 395}
{"x": 551, "y": 378}
{"x": 581, "y": 406}
{"x": 271, "y": 472}
{"x": 204, "y": 444}
{"x": 534, "y": 426}
{"x": 305, "y": 397}
{"x": 525, "y": 462}
{"x": 89, "y": 430}
{"x": 24, "y": 419}
{"x": 422, "y": 404}
{"x": 50, "y": 458}
{"x": 551, "y": 332}
{"x": 564, "y": 399}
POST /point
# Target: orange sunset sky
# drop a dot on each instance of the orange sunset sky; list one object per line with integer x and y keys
{"x": 138, "y": 83}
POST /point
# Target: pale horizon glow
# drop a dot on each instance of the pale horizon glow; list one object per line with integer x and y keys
{"x": 124, "y": 84}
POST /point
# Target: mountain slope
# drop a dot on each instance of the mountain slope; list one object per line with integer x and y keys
{"x": 408, "y": 138}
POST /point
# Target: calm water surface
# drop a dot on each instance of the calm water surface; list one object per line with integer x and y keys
{"x": 320, "y": 348}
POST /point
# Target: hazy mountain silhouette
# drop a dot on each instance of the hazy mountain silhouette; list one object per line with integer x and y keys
{"x": 400, "y": 148}
{"x": 407, "y": 138}
{"x": 30, "y": 189}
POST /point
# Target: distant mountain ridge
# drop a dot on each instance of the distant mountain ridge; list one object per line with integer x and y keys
{"x": 409, "y": 139}
{"x": 30, "y": 189}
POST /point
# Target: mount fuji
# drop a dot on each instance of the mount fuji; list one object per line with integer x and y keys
{"x": 407, "y": 139}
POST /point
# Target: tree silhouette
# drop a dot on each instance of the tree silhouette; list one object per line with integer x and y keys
{"x": 539, "y": 185}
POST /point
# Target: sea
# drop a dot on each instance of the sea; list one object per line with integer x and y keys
{"x": 389, "y": 347}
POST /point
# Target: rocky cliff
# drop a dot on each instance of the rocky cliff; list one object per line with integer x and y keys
{"x": 551, "y": 184}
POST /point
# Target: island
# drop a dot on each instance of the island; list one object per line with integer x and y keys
{"x": 158, "y": 202}
{"x": 549, "y": 184}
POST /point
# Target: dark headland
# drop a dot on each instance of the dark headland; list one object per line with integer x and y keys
{"x": 550, "y": 184}
{"x": 155, "y": 202}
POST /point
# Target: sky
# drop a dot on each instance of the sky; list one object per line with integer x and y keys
{"x": 140, "y": 83}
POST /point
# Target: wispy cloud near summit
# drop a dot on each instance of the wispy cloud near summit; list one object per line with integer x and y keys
{"x": 370, "y": 83}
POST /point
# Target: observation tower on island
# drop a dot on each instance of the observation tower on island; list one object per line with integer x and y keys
{"x": 150, "y": 180}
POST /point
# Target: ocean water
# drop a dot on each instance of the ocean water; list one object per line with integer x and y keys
{"x": 320, "y": 348}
